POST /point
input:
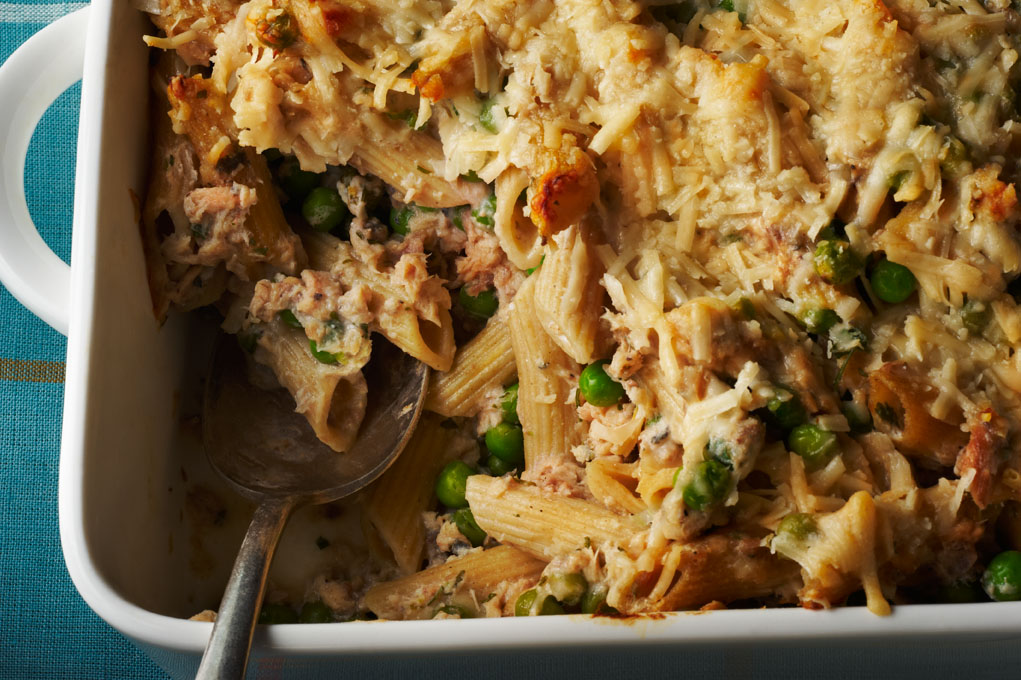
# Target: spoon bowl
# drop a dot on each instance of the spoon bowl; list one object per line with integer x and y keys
{"x": 267, "y": 452}
{"x": 265, "y": 449}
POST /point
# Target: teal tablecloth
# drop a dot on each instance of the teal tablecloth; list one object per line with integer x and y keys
{"x": 46, "y": 630}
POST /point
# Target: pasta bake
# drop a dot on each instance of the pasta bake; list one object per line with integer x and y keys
{"x": 719, "y": 297}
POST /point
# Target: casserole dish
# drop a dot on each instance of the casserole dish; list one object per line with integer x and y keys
{"x": 127, "y": 468}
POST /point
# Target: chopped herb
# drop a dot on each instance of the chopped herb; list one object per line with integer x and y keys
{"x": 845, "y": 339}
{"x": 322, "y": 543}
{"x": 888, "y": 414}
{"x": 324, "y": 357}
{"x": 280, "y": 33}
{"x": 485, "y": 212}
{"x": 409, "y": 116}
{"x": 719, "y": 450}
{"x": 289, "y": 319}
{"x": 531, "y": 270}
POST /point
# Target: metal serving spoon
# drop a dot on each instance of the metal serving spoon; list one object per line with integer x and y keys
{"x": 268, "y": 453}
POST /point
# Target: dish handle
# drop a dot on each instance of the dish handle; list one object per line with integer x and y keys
{"x": 30, "y": 80}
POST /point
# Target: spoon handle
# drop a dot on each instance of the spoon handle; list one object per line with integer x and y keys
{"x": 226, "y": 654}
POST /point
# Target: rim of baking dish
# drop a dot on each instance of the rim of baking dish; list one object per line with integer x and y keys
{"x": 978, "y": 620}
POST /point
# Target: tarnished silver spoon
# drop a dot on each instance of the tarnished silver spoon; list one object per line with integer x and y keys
{"x": 268, "y": 453}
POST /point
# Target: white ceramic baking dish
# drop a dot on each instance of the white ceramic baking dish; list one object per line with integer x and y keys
{"x": 126, "y": 465}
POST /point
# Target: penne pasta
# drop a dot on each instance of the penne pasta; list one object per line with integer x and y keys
{"x": 545, "y": 526}
{"x": 331, "y": 396}
{"x": 519, "y": 237}
{"x": 568, "y": 295}
{"x": 395, "y": 503}
{"x": 480, "y": 573}
{"x": 483, "y": 363}
{"x": 546, "y": 376}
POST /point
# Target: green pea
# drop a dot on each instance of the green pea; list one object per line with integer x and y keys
{"x": 836, "y": 229}
{"x": 892, "y": 282}
{"x": 315, "y": 612}
{"x": 598, "y": 388}
{"x": 450, "y": 484}
{"x": 484, "y": 214}
{"x": 785, "y": 409}
{"x": 594, "y": 601}
{"x": 509, "y": 405}
{"x": 322, "y": 356}
{"x": 708, "y": 486}
{"x": 287, "y": 316}
{"x": 486, "y": 117}
{"x": 975, "y": 316}
{"x": 836, "y": 261}
{"x": 820, "y": 320}
{"x": 550, "y": 607}
{"x": 525, "y": 604}
{"x": 812, "y": 443}
{"x": 277, "y": 613}
{"x": 297, "y": 183}
{"x": 469, "y": 528}
{"x": 1002, "y": 578}
{"x": 324, "y": 210}
{"x": 482, "y": 306}
{"x": 797, "y": 525}
{"x": 858, "y": 416}
{"x": 744, "y": 307}
{"x": 506, "y": 441}
{"x": 568, "y": 588}
{"x": 498, "y": 466}
{"x": 526, "y": 600}
{"x": 399, "y": 218}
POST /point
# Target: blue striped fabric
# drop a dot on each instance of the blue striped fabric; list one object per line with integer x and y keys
{"x": 46, "y": 630}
